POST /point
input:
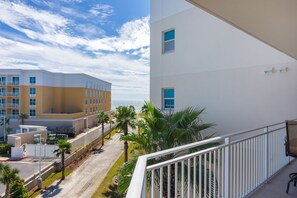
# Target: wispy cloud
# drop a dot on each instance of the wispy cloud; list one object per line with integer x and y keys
{"x": 52, "y": 42}
{"x": 102, "y": 12}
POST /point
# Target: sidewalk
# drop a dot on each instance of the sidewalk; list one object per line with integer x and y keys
{"x": 84, "y": 181}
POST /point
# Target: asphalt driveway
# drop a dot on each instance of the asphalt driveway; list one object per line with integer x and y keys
{"x": 26, "y": 168}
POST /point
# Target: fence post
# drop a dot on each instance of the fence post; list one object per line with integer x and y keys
{"x": 227, "y": 169}
{"x": 267, "y": 153}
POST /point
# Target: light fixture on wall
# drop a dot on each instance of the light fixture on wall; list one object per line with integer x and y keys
{"x": 269, "y": 70}
{"x": 283, "y": 69}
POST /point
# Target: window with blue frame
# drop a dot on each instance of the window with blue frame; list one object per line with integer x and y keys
{"x": 32, "y": 80}
{"x": 32, "y": 91}
{"x": 168, "y": 41}
{"x": 32, "y": 112}
{"x": 32, "y": 101}
{"x": 168, "y": 99}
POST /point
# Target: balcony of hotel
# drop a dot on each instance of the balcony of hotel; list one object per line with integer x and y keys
{"x": 13, "y": 93}
{"x": 13, "y": 105}
{"x": 14, "y": 83}
{"x": 2, "y": 94}
{"x": 244, "y": 164}
{"x": 13, "y": 116}
{"x": 2, "y": 83}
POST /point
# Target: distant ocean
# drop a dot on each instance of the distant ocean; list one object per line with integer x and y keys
{"x": 136, "y": 103}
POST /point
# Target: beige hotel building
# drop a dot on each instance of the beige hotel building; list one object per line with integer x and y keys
{"x": 53, "y": 99}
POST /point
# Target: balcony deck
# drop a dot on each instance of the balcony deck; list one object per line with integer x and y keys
{"x": 276, "y": 187}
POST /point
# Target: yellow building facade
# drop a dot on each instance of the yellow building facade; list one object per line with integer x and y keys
{"x": 45, "y": 95}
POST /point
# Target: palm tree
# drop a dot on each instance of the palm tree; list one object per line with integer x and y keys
{"x": 125, "y": 117}
{"x": 64, "y": 148}
{"x": 164, "y": 131}
{"x": 102, "y": 119}
{"x": 8, "y": 176}
{"x": 22, "y": 117}
{"x": 110, "y": 121}
{"x": 4, "y": 121}
{"x": 140, "y": 125}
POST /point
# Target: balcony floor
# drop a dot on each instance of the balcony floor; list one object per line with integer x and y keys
{"x": 277, "y": 186}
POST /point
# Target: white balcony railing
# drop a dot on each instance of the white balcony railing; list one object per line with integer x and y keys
{"x": 2, "y": 105}
{"x": 13, "y": 105}
{"x": 13, "y": 93}
{"x": 239, "y": 164}
{"x": 2, "y": 93}
{"x": 13, "y": 82}
{"x": 2, "y": 82}
{"x": 13, "y": 116}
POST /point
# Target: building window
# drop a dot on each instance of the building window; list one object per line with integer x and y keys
{"x": 15, "y": 80}
{"x": 32, "y": 80}
{"x": 2, "y": 112}
{"x": 15, "y": 101}
{"x": 2, "y": 91}
{"x": 86, "y": 110}
{"x": 15, "y": 112}
{"x": 90, "y": 101}
{"x": 32, "y": 91}
{"x": 32, "y": 101}
{"x": 168, "y": 41}
{"x": 168, "y": 99}
{"x": 2, "y": 102}
{"x": 15, "y": 91}
{"x": 3, "y": 80}
{"x": 32, "y": 113}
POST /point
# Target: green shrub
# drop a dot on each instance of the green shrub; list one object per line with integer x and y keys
{"x": 4, "y": 149}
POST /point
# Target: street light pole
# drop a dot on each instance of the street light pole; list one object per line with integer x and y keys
{"x": 4, "y": 130}
{"x": 39, "y": 181}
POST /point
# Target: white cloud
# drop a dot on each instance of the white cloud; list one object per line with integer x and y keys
{"x": 127, "y": 75}
{"x": 121, "y": 59}
{"x": 102, "y": 12}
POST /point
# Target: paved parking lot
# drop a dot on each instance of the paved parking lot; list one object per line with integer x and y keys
{"x": 27, "y": 168}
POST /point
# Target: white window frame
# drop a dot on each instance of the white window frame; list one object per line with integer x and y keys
{"x": 163, "y": 99}
{"x": 163, "y": 41}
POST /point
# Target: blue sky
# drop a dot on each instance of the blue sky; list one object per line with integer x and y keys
{"x": 106, "y": 39}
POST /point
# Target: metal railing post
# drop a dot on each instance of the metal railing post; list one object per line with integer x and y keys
{"x": 227, "y": 169}
{"x": 267, "y": 154}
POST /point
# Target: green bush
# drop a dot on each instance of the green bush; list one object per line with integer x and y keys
{"x": 4, "y": 149}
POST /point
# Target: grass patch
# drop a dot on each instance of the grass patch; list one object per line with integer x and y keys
{"x": 113, "y": 132}
{"x": 47, "y": 182}
{"x": 113, "y": 171}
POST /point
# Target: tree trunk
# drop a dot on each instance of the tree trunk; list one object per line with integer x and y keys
{"x": 7, "y": 191}
{"x": 126, "y": 144}
{"x": 63, "y": 166}
{"x": 109, "y": 130}
{"x": 126, "y": 150}
{"x": 102, "y": 134}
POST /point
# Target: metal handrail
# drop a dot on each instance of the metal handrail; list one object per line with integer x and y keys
{"x": 139, "y": 175}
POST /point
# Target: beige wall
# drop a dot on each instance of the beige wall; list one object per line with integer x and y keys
{"x": 272, "y": 21}
{"x": 25, "y": 138}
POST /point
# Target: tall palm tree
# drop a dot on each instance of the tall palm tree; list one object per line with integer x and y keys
{"x": 125, "y": 117}
{"x": 110, "y": 121}
{"x": 4, "y": 121}
{"x": 64, "y": 148}
{"x": 102, "y": 118}
{"x": 164, "y": 131}
{"x": 22, "y": 117}
{"x": 8, "y": 176}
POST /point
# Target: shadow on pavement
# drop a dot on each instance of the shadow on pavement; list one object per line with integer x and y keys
{"x": 52, "y": 190}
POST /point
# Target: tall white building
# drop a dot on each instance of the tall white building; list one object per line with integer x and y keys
{"x": 207, "y": 59}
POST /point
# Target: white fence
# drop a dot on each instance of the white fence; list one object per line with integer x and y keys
{"x": 237, "y": 165}
{"x": 37, "y": 150}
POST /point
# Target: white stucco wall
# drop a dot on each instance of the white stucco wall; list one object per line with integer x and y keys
{"x": 220, "y": 68}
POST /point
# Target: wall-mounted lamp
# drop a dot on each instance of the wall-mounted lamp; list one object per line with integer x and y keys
{"x": 283, "y": 69}
{"x": 269, "y": 70}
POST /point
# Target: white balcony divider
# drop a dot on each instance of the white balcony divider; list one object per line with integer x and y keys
{"x": 237, "y": 165}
